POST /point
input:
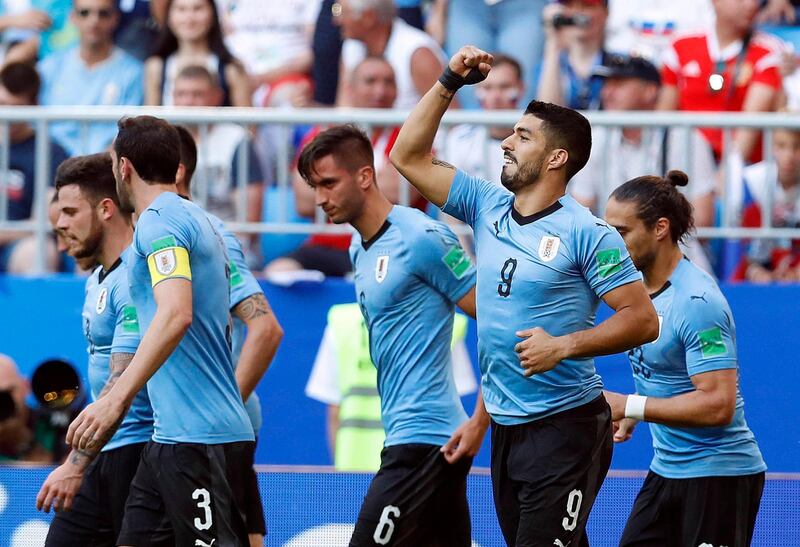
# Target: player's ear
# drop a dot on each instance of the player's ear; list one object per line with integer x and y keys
{"x": 366, "y": 176}
{"x": 558, "y": 159}
{"x": 106, "y": 208}
{"x": 662, "y": 228}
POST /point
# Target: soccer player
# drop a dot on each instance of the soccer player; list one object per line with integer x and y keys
{"x": 410, "y": 272}
{"x": 256, "y": 336}
{"x": 707, "y": 475}
{"x": 544, "y": 262}
{"x": 90, "y": 495}
{"x": 179, "y": 280}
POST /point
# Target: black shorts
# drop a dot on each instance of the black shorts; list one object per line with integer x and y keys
{"x": 546, "y": 474}
{"x": 244, "y": 483}
{"x": 181, "y": 496}
{"x": 97, "y": 510}
{"x": 415, "y": 499}
{"x": 705, "y": 510}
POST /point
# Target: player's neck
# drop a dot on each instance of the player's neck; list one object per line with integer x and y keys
{"x": 726, "y": 34}
{"x": 538, "y": 196}
{"x": 657, "y": 275}
{"x": 144, "y": 194}
{"x": 374, "y": 215}
{"x": 116, "y": 239}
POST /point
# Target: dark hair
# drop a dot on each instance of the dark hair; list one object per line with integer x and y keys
{"x": 349, "y": 146}
{"x": 564, "y": 128}
{"x": 188, "y": 150}
{"x": 93, "y": 174}
{"x": 659, "y": 197}
{"x": 197, "y": 72}
{"x": 21, "y": 79}
{"x": 152, "y": 145}
{"x": 503, "y": 59}
{"x": 167, "y": 42}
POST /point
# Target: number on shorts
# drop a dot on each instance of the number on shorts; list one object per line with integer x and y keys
{"x": 573, "y": 508}
{"x": 205, "y": 505}
{"x": 385, "y": 529}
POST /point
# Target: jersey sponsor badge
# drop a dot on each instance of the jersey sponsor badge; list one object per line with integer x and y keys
{"x": 165, "y": 261}
{"x": 102, "y": 300}
{"x": 381, "y": 268}
{"x": 548, "y": 248}
{"x": 711, "y": 342}
{"x": 608, "y": 262}
{"x": 235, "y": 275}
{"x": 457, "y": 261}
{"x": 130, "y": 320}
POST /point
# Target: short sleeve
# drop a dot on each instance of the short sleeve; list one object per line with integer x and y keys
{"x": 442, "y": 262}
{"x": 166, "y": 244}
{"x": 706, "y": 330}
{"x": 323, "y": 383}
{"x": 254, "y": 174}
{"x": 126, "y": 329}
{"x": 243, "y": 283}
{"x": 769, "y": 75}
{"x": 467, "y": 195}
{"x": 603, "y": 258}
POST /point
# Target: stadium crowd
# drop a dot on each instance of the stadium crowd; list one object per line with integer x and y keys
{"x": 615, "y": 55}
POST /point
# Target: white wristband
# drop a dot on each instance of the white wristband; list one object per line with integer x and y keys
{"x": 634, "y": 407}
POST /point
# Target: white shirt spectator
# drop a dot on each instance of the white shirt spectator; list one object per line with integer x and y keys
{"x": 785, "y": 204}
{"x": 474, "y": 151}
{"x": 265, "y": 35}
{"x": 404, "y": 40}
{"x": 323, "y": 383}
{"x": 647, "y": 27}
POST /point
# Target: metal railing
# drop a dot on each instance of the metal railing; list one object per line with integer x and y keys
{"x": 41, "y": 118}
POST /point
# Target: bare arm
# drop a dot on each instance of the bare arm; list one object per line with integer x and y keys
{"x": 152, "y": 81}
{"x": 332, "y": 428}
{"x": 467, "y": 303}
{"x": 411, "y": 153}
{"x": 550, "y": 78}
{"x": 264, "y": 334}
{"x": 239, "y": 85}
{"x": 667, "y": 98}
{"x": 436, "y": 25}
{"x": 760, "y": 98}
{"x": 711, "y": 404}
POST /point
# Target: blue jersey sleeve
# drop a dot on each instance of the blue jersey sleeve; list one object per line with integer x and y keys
{"x": 468, "y": 195}
{"x": 705, "y": 327}
{"x": 440, "y": 261}
{"x": 166, "y": 242}
{"x": 603, "y": 258}
{"x": 126, "y": 329}
{"x": 243, "y": 283}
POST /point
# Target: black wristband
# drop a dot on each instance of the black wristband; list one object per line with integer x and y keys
{"x": 453, "y": 82}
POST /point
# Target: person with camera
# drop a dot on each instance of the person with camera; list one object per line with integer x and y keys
{"x": 573, "y": 49}
{"x": 90, "y": 488}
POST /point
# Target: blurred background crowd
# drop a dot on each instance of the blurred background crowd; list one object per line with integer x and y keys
{"x": 613, "y": 55}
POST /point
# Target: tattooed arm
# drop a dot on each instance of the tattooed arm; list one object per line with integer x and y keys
{"x": 64, "y": 481}
{"x": 264, "y": 333}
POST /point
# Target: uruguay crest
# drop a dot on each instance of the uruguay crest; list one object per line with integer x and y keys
{"x": 166, "y": 262}
{"x": 102, "y": 300}
{"x": 381, "y": 268}
{"x": 548, "y": 248}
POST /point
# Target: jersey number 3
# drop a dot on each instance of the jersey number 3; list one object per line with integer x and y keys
{"x": 506, "y": 277}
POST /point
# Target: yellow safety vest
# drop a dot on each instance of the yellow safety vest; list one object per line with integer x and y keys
{"x": 360, "y": 436}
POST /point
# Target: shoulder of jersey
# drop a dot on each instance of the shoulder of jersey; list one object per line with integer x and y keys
{"x": 689, "y": 37}
{"x": 769, "y": 42}
{"x": 696, "y": 287}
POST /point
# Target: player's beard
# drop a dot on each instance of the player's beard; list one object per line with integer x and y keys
{"x": 526, "y": 174}
{"x": 644, "y": 261}
{"x": 91, "y": 245}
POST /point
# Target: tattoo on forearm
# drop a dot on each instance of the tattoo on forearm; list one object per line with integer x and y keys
{"x": 80, "y": 456}
{"x": 252, "y": 307}
{"x": 437, "y": 161}
{"x": 117, "y": 365}
{"x": 447, "y": 95}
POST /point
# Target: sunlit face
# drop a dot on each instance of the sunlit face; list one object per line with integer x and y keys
{"x": 628, "y": 94}
{"x": 786, "y": 149}
{"x": 190, "y": 20}
{"x": 339, "y": 192}
{"x": 373, "y": 85}
{"x": 95, "y": 20}
{"x": 79, "y": 222}
{"x": 641, "y": 241}
{"x": 501, "y": 89}
{"x": 195, "y": 92}
{"x": 525, "y": 151}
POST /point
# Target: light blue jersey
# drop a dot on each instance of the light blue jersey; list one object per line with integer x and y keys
{"x": 243, "y": 286}
{"x": 194, "y": 393}
{"x": 407, "y": 278}
{"x": 546, "y": 270}
{"x": 111, "y": 325}
{"x": 696, "y": 334}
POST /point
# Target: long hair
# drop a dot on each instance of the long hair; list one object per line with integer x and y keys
{"x": 167, "y": 42}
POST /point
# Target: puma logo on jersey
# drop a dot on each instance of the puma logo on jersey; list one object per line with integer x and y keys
{"x": 559, "y": 544}
{"x": 201, "y": 543}
{"x": 701, "y": 297}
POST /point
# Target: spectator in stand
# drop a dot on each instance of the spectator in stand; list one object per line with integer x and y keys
{"x": 370, "y": 28}
{"x": 139, "y": 26}
{"x": 476, "y": 149}
{"x": 19, "y": 28}
{"x": 573, "y": 49}
{"x": 513, "y": 27}
{"x": 95, "y": 72}
{"x": 779, "y": 12}
{"x": 373, "y": 86}
{"x": 31, "y": 44}
{"x": 193, "y": 37}
{"x": 274, "y": 43}
{"x": 19, "y": 86}
{"x": 774, "y": 259}
{"x": 728, "y": 67}
{"x": 646, "y": 28}
{"x": 217, "y": 169}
